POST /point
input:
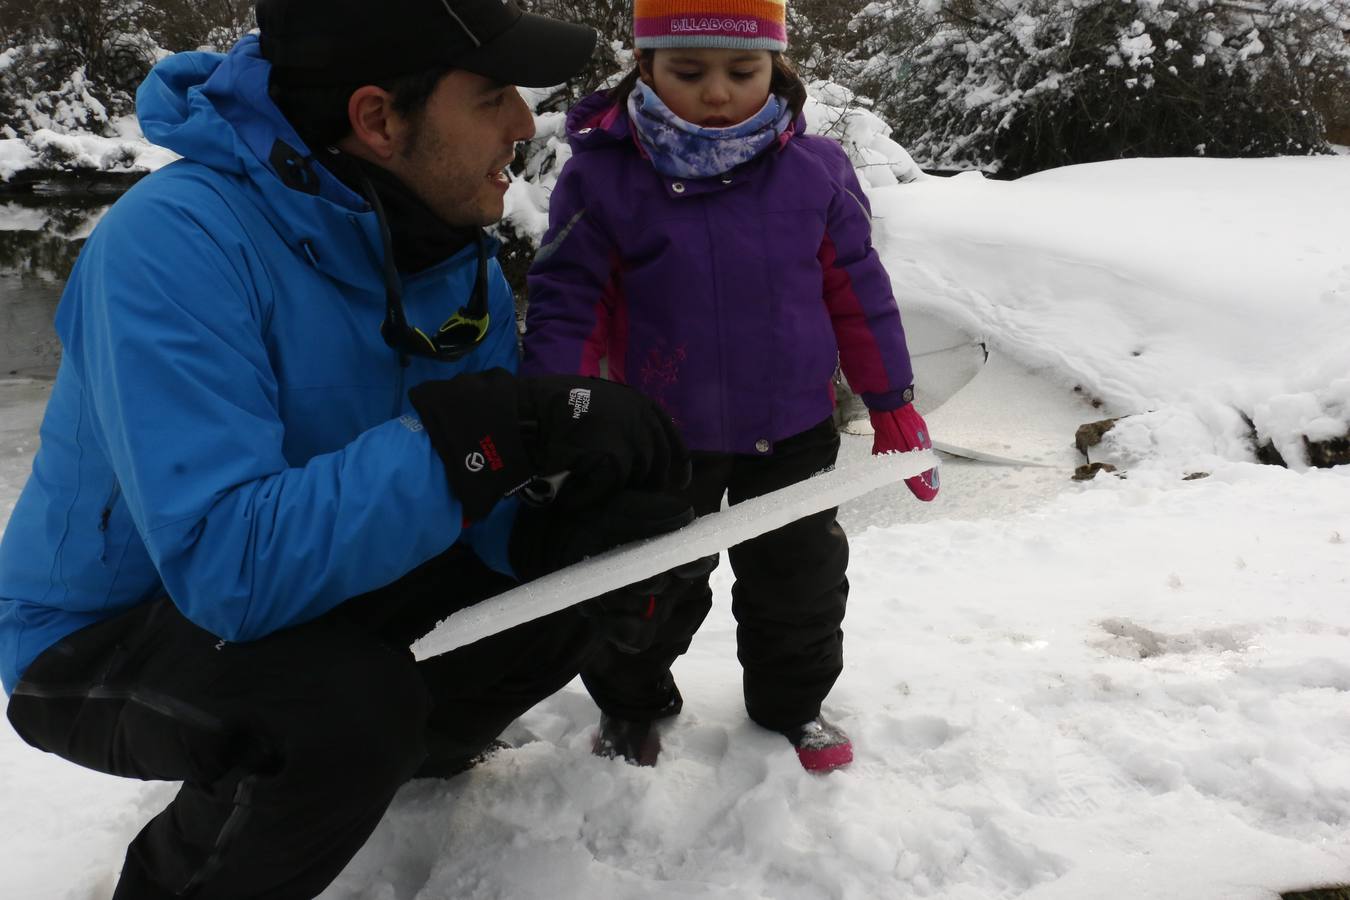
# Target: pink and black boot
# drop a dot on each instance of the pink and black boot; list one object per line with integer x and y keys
{"x": 821, "y": 746}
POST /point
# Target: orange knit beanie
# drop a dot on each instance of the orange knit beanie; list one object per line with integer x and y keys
{"x": 752, "y": 24}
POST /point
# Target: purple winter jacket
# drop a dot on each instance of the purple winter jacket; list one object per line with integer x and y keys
{"x": 729, "y": 300}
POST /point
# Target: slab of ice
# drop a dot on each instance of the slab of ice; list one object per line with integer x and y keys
{"x": 641, "y": 560}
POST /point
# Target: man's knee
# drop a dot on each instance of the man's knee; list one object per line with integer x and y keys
{"x": 368, "y": 720}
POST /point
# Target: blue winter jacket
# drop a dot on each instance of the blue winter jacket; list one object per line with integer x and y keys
{"x": 227, "y": 425}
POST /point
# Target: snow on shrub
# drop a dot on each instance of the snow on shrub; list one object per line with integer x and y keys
{"x": 1024, "y": 85}
{"x": 73, "y": 66}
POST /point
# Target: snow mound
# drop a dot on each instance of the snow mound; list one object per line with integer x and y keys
{"x": 45, "y": 148}
{"x": 1210, "y": 289}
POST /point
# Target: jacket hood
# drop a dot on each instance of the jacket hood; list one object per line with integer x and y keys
{"x": 214, "y": 110}
{"x": 597, "y": 121}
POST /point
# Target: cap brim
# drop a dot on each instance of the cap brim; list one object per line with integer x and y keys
{"x": 534, "y": 52}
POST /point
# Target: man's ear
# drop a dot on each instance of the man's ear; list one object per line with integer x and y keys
{"x": 376, "y": 127}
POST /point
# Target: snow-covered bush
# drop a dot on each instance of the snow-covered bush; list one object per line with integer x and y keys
{"x": 69, "y": 105}
{"x": 886, "y": 34}
{"x": 1017, "y": 86}
{"x": 74, "y": 65}
{"x": 199, "y": 24}
{"x": 824, "y": 38}
{"x": 613, "y": 20}
{"x": 71, "y": 65}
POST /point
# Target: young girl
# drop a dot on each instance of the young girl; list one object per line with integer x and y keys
{"x": 719, "y": 259}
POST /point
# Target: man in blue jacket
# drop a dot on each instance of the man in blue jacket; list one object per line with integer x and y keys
{"x": 264, "y": 470}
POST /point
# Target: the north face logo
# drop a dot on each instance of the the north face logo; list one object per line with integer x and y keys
{"x": 580, "y": 401}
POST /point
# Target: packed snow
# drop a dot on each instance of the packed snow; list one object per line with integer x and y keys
{"x": 1131, "y": 687}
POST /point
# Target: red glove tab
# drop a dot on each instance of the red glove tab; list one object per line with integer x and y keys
{"x": 899, "y": 431}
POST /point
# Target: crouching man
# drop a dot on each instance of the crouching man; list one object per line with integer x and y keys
{"x": 267, "y": 466}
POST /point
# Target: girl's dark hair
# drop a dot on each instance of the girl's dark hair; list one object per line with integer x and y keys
{"x": 319, "y": 112}
{"x": 785, "y": 82}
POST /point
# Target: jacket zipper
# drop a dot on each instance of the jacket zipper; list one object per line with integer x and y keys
{"x": 105, "y": 516}
{"x": 724, "y": 417}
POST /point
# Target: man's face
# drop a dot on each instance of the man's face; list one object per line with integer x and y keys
{"x": 454, "y": 154}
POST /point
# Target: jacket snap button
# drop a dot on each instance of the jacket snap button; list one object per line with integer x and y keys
{"x": 762, "y": 446}
{"x": 678, "y": 187}
{"x": 585, "y": 131}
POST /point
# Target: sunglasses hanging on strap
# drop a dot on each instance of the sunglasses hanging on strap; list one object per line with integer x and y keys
{"x": 458, "y": 335}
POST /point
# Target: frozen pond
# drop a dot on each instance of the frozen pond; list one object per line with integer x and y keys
{"x": 39, "y": 240}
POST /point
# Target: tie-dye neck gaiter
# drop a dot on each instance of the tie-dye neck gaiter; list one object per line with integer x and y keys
{"x": 682, "y": 149}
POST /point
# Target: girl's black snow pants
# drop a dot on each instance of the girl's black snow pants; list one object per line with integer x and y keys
{"x": 291, "y": 747}
{"x": 788, "y": 599}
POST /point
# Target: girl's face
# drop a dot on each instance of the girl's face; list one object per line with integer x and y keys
{"x": 712, "y": 87}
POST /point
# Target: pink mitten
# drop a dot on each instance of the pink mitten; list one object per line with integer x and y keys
{"x": 902, "y": 430}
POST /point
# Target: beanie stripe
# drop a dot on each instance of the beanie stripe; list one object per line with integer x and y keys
{"x": 698, "y": 26}
{"x": 757, "y": 24}
{"x": 765, "y": 9}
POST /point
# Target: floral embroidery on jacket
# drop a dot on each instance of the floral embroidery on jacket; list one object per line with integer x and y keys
{"x": 659, "y": 372}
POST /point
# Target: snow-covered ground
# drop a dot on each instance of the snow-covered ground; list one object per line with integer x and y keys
{"x": 1131, "y": 687}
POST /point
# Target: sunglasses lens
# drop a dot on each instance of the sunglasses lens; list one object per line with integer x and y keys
{"x": 462, "y": 330}
{"x": 460, "y": 334}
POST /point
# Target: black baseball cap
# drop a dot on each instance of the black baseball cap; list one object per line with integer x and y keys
{"x": 339, "y": 42}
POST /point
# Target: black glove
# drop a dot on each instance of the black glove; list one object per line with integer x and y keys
{"x": 496, "y": 432}
{"x": 547, "y": 538}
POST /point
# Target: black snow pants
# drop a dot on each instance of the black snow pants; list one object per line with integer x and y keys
{"x": 290, "y": 748}
{"x": 788, "y": 599}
